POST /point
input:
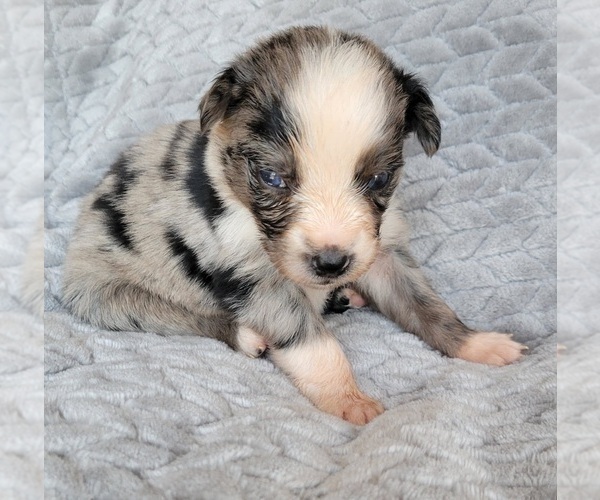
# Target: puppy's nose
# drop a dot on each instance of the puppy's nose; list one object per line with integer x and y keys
{"x": 330, "y": 263}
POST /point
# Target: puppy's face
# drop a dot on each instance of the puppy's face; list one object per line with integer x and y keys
{"x": 308, "y": 129}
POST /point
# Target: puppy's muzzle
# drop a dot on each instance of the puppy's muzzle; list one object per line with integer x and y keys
{"x": 330, "y": 263}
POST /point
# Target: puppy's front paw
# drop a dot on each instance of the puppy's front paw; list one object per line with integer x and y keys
{"x": 355, "y": 299}
{"x": 355, "y": 407}
{"x": 343, "y": 299}
{"x": 491, "y": 348}
{"x": 251, "y": 343}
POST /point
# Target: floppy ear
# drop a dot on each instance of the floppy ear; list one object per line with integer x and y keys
{"x": 220, "y": 100}
{"x": 420, "y": 116}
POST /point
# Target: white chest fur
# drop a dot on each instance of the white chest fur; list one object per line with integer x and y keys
{"x": 317, "y": 297}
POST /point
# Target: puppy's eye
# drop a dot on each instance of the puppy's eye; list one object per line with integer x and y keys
{"x": 272, "y": 179}
{"x": 378, "y": 181}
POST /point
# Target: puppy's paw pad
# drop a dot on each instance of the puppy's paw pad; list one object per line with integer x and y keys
{"x": 355, "y": 299}
{"x": 343, "y": 299}
{"x": 251, "y": 343}
{"x": 491, "y": 348}
{"x": 358, "y": 409}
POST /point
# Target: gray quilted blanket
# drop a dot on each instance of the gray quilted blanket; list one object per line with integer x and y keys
{"x": 132, "y": 415}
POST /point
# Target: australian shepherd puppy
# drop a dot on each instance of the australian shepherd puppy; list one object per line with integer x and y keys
{"x": 278, "y": 202}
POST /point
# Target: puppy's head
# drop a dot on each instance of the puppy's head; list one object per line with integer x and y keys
{"x": 306, "y": 130}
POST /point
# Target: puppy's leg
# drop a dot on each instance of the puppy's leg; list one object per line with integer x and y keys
{"x": 251, "y": 343}
{"x": 300, "y": 344}
{"x": 397, "y": 287}
{"x": 125, "y": 306}
{"x": 321, "y": 371}
{"x": 343, "y": 299}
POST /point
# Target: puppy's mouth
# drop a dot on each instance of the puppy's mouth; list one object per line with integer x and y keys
{"x": 318, "y": 282}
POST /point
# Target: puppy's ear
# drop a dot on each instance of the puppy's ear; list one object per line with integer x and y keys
{"x": 420, "y": 116}
{"x": 220, "y": 100}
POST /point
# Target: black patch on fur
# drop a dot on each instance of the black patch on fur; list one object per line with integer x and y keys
{"x": 198, "y": 182}
{"x": 272, "y": 212}
{"x": 169, "y": 164}
{"x": 420, "y": 116}
{"x": 124, "y": 175}
{"x": 227, "y": 80}
{"x": 346, "y": 37}
{"x": 386, "y": 157}
{"x": 298, "y": 310}
{"x": 109, "y": 204}
{"x": 290, "y": 341}
{"x": 134, "y": 322}
{"x": 114, "y": 218}
{"x": 188, "y": 259}
{"x": 230, "y": 290}
{"x": 379, "y": 204}
{"x": 336, "y": 303}
{"x": 222, "y": 99}
{"x": 284, "y": 39}
{"x": 272, "y": 125}
{"x": 227, "y": 156}
{"x": 236, "y": 93}
{"x": 271, "y": 207}
{"x": 353, "y": 38}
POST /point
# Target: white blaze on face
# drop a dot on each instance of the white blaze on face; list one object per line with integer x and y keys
{"x": 340, "y": 107}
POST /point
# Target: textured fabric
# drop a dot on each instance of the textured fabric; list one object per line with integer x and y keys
{"x": 135, "y": 414}
{"x": 578, "y": 249}
{"x": 21, "y": 191}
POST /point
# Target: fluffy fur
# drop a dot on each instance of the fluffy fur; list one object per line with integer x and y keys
{"x": 276, "y": 204}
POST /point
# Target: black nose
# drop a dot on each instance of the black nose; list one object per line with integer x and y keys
{"x": 330, "y": 263}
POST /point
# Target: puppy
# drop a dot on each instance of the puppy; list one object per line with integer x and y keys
{"x": 245, "y": 224}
